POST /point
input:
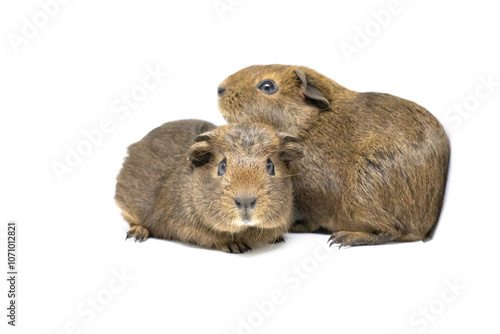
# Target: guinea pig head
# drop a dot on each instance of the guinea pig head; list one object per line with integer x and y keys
{"x": 288, "y": 98}
{"x": 241, "y": 177}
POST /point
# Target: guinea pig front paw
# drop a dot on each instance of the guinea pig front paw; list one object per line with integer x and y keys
{"x": 235, "y": 247}
{"x": 140, "y": 233}
{"x": 278, "y": 240}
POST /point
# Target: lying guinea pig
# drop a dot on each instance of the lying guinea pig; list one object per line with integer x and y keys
{"x": 229, "y": 188}
{"x": 375, "y": 165}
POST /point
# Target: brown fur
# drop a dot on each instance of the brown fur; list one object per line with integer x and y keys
{"x": 375, "y": 165}
{"x": 169, "y": 186}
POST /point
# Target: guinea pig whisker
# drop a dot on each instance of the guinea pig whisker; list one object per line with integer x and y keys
{"x": 220, "y": 217}
{"x": 260, "y": 234}
{"x": 285, "y": 225}
{"x": 217, "y": 225}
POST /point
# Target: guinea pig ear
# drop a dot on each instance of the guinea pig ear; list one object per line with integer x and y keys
{"x": 312, "y": 92}
{"x": 290, "y": 147}
{"x": 201, "y": 151}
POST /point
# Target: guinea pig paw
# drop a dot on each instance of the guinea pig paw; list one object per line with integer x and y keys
{"x": 235, "y": 247}
{"x": 138, "y": 232}
{"x": 349, "y": 238}
{"x": 278, "y": 240}
{"x": 340, "y": 238}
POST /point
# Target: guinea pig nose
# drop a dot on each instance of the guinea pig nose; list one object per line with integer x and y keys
{"x": 245, "y": 202}
{"x": 221, "y": 90}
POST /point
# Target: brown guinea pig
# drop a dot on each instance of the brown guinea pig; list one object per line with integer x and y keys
{"x": 375, "y": 165}
{"x": 225, "y": 188}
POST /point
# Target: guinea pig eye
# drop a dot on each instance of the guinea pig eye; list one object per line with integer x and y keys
{"x": 267, "y": 86}
{"x": 270, "y": 167}
{"x": 222, "y": 167}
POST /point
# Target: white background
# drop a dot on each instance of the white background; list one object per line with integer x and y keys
{"x": 64, "y": 79}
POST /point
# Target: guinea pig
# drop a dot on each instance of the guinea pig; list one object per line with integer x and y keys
{"x": 375, "y": 165}
{"x": 225, "y": 188}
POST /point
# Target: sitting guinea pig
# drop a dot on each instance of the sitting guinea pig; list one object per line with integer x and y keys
{"x": 375, "y": 165}
{"x": 225, "y": 188}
